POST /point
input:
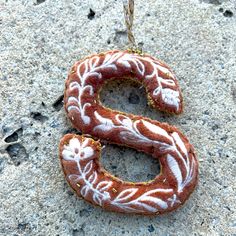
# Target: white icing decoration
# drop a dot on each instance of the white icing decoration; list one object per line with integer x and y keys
{"x": 127, "y": 58}
{"x": 171, "y": 97}
{"x": 91, "y": 68}
{"x": 189, "y": 167}
{"x": 173, "y": 200}
{"x": 174, "y": 166}
{"x": 146, "y": 202}
{"x": 180, "y": 143}
{"x": 79, "y": 107}
{"x": 129, "y": 132}
{"x": 156, "y": 129}
{"x": 143, "y": 201}
{"x": 106, "y": 124}
{"x": 75, "y": 151}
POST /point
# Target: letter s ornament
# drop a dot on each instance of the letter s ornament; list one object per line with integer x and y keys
{"x": 79, "y": 154}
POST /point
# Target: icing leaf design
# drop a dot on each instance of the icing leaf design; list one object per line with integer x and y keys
{"x": 154, "y": 200}
{"x": 104, "y": 185}
{"x": 106, "y": 124}
{"x": 93, "y": 178}
{"x": 180, "y": 143}
{"x": 88, "y": 167}
{"x": 171, "y": 97}
{"x": 156, "y": 129}
{"x": 174, "y": 166}
{"x": 145, "y": 202}
{"x": 125, "y": 195}
{"x": 74, "y": 178}
{"x": 157, "y": 91}
{"x": 103, "y": 120}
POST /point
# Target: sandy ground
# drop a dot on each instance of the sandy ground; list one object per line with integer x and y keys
{"x": 40, "y": 40}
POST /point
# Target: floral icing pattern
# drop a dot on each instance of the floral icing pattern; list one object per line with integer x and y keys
{"x": 80, "y": 155}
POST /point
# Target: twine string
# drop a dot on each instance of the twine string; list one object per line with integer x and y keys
{"x": 129, "y": 17}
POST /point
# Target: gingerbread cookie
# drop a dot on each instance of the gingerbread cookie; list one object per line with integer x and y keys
{"x": 79, "y": 155}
